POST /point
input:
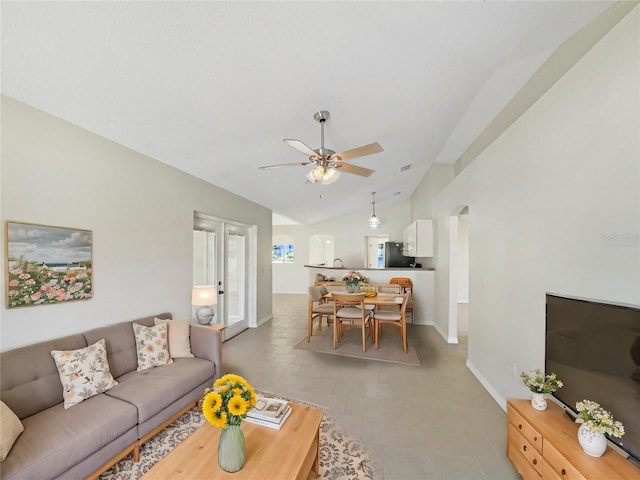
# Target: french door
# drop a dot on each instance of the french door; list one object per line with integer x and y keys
{"x": 220, "y": 258}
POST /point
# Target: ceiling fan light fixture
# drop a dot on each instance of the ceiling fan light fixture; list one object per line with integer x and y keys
{"x": 331, "y": 175}
{"x": 318, "y": 173}
{"x": 309, "y": 176}
{"x": 374, "y": 222}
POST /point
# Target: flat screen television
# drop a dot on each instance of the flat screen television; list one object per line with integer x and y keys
{"x": 594, "y": 348}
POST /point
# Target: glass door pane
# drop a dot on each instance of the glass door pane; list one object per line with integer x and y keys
{"x": 236, "y": 280}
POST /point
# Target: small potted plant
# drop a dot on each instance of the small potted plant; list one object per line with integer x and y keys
{"x": 595, "y": 422}
{"x": 353, "y": 280}
{"x": 540, "y": 385}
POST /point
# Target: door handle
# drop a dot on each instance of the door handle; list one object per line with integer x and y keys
{"x": 220, "y": 292}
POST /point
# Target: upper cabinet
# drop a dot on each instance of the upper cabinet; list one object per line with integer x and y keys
{"x": 417, "y": 239}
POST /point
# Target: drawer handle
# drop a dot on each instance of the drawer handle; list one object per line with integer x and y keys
{"x": 535, "y": 462}
{"x": 524, "y": 447}
{"x": 563, "y": 472}
{"x": 520, "y": 426}
{"x": 535, "y": 439}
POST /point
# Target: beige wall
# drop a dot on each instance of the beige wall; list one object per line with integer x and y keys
{"x": 140, "y": 212}
{"x": 547, "y": 201}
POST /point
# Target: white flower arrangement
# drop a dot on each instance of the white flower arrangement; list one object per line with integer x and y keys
{"x": 537, "y": 382}
{"x": 597, "y": 419}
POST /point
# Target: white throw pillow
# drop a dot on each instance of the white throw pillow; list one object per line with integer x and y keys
{"x": 10, "y": 429}
{"x": 83, "y": 372}
{"x": 151, "y": 346}
{"x": 179, "y": 344}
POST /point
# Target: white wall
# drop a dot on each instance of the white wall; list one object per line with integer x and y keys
{"x": 545, "y": 199}
{"x": 463, "y": 258}
{"x": 140, "y": 212}
{"x": 348, "y": 233}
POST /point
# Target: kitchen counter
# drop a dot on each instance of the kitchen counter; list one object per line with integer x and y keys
{"x": 423, "y": 284}
{"x": 324, "y": 267}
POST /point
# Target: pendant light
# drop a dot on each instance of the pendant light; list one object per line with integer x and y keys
{"x": 374, "y": 222}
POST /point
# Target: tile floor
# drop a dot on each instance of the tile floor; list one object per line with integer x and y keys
{"x": 430, "y": 422}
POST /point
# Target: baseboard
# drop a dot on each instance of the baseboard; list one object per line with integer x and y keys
{"x": 500, "y": 400}
{"x": 264, "y": 320}
{"x": 452, "y": 340}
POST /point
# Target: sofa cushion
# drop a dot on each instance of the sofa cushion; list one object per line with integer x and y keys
{"x": 152, "y": 344}
{"x": 29, "y": 377}
{"x": 10, "y": 429}
{"x": 56, "y": 439}
{"x": 179, "y": 345}
{"x": 83, "y": 372}
{"x": 153, "y": 389}
{"x": 121, "y": 344}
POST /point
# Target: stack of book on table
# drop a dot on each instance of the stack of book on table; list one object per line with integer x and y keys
{"x": 269, "y": 412}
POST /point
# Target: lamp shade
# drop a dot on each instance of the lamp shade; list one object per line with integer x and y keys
{"x": 204, "y": 295}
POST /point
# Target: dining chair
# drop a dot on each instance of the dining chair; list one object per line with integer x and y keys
{"x": 349, "y": 312}
{"x": 398, "y": 319}
{"x": 317, "y": 309}
{"x": 407, "y": 286}
{"x": 389, "y": 288}
{"x": 323, "y": 290}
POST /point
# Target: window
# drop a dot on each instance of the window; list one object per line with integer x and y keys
{"x": 282, "y": 254}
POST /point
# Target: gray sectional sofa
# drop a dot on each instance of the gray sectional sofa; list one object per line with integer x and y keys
{"x": 84, "y": 440}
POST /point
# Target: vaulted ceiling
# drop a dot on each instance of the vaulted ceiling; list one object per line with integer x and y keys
{"x": 212, "y": 88}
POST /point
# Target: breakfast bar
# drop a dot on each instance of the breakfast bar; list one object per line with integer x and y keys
{"x": 422, "y": 278}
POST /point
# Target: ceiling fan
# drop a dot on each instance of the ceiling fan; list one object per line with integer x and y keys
{"x": 328, "y": 164}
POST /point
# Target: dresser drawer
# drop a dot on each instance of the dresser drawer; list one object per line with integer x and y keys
{"x": 548, "y": 473}
{"x": 526, "y": 430}
{"x": 524, "y": 468}
{"x": 520, "y": 443}
{"x": 562, "y": 468}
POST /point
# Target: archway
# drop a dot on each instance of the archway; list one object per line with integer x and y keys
{"x": 458, "y": 273}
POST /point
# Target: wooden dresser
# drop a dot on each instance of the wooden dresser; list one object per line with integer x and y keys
{"x": 544, "y": 445}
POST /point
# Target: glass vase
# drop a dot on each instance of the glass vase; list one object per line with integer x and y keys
{"x": 231, "y": 449}
{"x": 352, "y": 287}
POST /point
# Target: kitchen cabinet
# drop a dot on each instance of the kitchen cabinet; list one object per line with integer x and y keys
{"x": 417, "y": 239}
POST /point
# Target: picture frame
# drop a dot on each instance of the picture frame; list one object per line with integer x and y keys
{"x": 46, "y": 264}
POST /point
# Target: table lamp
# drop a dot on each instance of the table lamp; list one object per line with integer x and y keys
{"x": 204, "y": 297}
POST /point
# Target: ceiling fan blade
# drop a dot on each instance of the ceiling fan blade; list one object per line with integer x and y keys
{"x": 298, "y": 145}
{"x": 359, "y": 151}
{"x": 348, "y": 168}
{"x": 280, "y": 165}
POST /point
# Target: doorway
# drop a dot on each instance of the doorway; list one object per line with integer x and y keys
{"x": 458, "y": 308}
{"x": 221, "y": 257}
{"x": 374, "y": 250}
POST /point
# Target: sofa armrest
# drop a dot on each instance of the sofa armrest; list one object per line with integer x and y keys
{"x": 206, "y": 343}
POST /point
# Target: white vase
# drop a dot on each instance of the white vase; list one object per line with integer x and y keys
{"x": 593, "y": 443}
{"x": 539, "y": 401}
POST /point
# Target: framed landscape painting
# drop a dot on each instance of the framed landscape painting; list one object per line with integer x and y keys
{"x": 46, "y": 264}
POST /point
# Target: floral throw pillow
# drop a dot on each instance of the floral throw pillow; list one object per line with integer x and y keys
{"x": 83, "y": 372}
{"x": 151, "y": 345}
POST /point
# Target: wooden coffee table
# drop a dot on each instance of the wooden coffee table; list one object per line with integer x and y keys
{"x": 289, "y": 453}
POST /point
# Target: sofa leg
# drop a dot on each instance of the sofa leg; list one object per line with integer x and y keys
{"x": 136, "y": 453}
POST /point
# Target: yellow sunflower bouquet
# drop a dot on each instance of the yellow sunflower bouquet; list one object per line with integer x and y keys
{"x": 228, "y": 402}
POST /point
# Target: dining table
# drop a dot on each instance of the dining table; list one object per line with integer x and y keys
{"x": 379, "y": 299}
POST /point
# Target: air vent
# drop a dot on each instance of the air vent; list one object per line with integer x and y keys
{"x": 405, "y": 168}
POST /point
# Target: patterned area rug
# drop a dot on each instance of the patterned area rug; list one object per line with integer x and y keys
{"x": 342, "y": 456}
